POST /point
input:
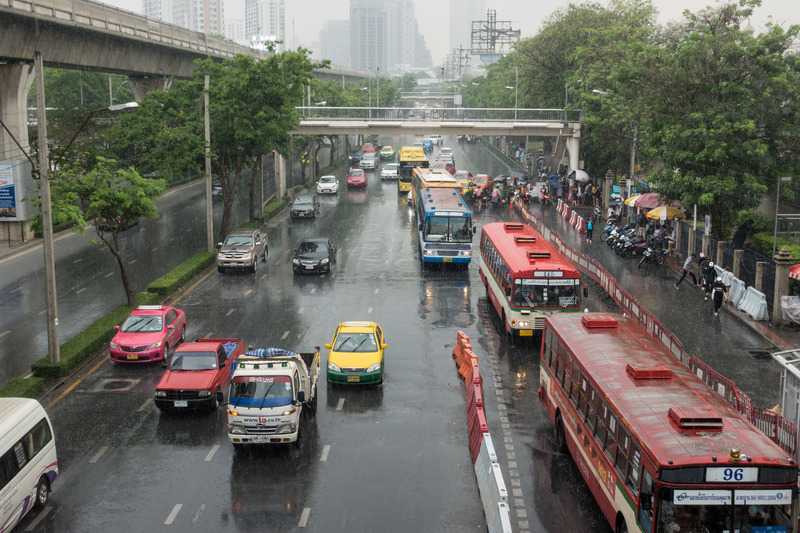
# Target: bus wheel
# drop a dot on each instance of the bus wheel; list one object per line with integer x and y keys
{"x": 561, "y": 441}
{"x": 42, "y": 492}
{"x": 622, "y": 527}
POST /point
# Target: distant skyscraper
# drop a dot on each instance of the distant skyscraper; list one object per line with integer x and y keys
{"x": 384, "y": 34}
{"x": 199, "y": 15}
{"x": 334, "y": 42}
{"x": 234, "y": 30}
{"x": 462, "y": 13}
{"x": 266, "y": 18}
{"x": 152, "y": 9}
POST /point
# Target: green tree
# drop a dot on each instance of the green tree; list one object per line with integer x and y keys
{"x": 118, "y": 196}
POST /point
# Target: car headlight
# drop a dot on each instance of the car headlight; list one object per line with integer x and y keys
{"x": 286, "y": 427}
{"x": 465, "y": 253}
{"x": 236, "y": 429}
{"x": 114, "y": 346}
{"x": 324, "y": 261}
{"x": 524, "y": 323}
{"x": 374, "y": 368}
{"x": 332, "y": 367}
{"x": 205, "y": 393}
{"x": 161, "y": 394}
{"x": 295, "y": 261}
{"x": 155, "y": 345}
{"x": 430, "y": 252}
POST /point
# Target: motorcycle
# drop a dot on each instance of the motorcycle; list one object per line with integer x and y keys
{"x": 655, "y": 256}
{"x": 634, "y": 246}
{"x": 606, "y": 233}
{"x": 616, "y": 233}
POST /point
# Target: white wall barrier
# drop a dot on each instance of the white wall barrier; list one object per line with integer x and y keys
{"x": 502, "y": 520}
{"x": 491, "y": 484}
{"x": 754, "y": 304}
{"x": 737, "y": 291}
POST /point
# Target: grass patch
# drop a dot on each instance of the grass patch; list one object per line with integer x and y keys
{"x": 170, "y": 282}
{"x": 23, "y": 388}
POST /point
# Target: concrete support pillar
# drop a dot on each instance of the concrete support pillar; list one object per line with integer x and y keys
{"x": 737, "y": 263}
{"x": 15, "y": 83}
{"x": 280, "y": 175}
{"x": 607, "y": 190}
{"x": 678, "y": 233}
{"x": 783, "y": 260}
{"x": 759, "y": 284}
{"x": 573, "y": 146}
{"x": 720, "y": 255}
{"x": 706, "y": 245}
{"x": 690, "y": 246}
{"x": 147, "y": 84}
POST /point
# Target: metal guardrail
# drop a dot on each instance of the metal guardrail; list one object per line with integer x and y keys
{"x": 441, "y": 114}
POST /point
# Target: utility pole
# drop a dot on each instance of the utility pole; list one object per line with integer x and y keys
{"x": 209, "y": 211}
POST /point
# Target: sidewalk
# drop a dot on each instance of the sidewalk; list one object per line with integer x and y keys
{"x": 653, "y": 286}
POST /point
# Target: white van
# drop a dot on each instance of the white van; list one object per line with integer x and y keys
{"x": 28, "y": 462}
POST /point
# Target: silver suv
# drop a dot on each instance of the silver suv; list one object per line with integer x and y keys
{"x": 243, "y": 248}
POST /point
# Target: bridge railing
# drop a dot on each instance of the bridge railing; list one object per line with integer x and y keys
{"x": 441, "y": 114}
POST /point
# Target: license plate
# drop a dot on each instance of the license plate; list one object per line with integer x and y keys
{"x": 526, "y": 333}
{"x": 181, "y": 403}
{"x": 447, "y": 259}
{"x": 309, "y": 267}
{"x": 132, "y": 356}
{"x": 260, "y": 438}
{"x": 354, "y": 379}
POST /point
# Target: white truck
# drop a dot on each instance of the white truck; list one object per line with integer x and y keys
{"x": 270, "y": 388}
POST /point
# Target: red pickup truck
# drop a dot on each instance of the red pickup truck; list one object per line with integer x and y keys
{"x": 198, "y": 374}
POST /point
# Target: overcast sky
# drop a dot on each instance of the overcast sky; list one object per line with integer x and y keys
{"x": 304, "y": 18}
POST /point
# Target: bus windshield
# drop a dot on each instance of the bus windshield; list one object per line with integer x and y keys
{"x": 447, "y": 229}
{"x": 537, "y": 293}
{"x": 719, "y": 516}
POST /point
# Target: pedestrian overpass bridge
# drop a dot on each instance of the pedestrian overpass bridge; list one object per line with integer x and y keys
{"x": 564, "y": 124}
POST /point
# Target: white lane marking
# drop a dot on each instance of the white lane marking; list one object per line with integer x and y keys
{"x": 369, "y": 310}
{"x": 210, "y": 455}
{"x": 209, "y": 335}
{"x": 175, "y": 510}
{"x": 248, "y": 293}
{"x": 43, "y": 312}
{"x": 98, "y": 455}
{"x": 325, "y": 450}
{"x": 6, "y": 332}
{"x": 77, "y": 260}
{"x": 340, "y": 404}
{"x": 132, "y": 261}
{"x": 229, "y": 313}
{"x": 154, "y": 249}
{"x": 197, "y": 514}
{"x": 304, "y": 517}
{"x": 300, "y": 310}
{"x": 285, "y": 334}
{"x": 145, "y": 405}
{"x": 80, "y": 291}
{"x": 108, "y": 275}
{"x": 17, "y": 289}
{"x": 39, "y": 518}
{"x": 313, "y": 290}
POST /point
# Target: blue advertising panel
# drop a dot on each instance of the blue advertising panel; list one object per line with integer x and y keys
{"x": 8, "y": 202}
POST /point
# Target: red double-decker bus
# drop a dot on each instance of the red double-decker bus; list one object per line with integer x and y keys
{"x": 525, "y": 277}
{"x": 661, "y": 451}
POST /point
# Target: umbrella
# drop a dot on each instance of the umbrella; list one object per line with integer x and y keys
{"x": 665, "y": 213}
{"x": 651, "y": 200}
{"x": 794, "y": 271}
{"x": 632, "y": 200}
{"x": 579, "y": 175}
{"x": 555, "y": 182}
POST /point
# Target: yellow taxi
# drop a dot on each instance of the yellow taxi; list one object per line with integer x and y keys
{"x": 356, "y": 354}
{"x": 388, "y": 152}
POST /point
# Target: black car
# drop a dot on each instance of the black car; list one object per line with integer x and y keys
{"x": 305, "y": 206}
{"x": 314, "y": 256}
{"x": 355, "y": 157}
{"x": 377, "y": 144}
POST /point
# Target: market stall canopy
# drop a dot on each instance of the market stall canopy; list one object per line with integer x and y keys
{"x": 579, "y": 175}
{"x": 651, "y": 200}
{"x": 633, "y": 200}
{"x": 665, "y": 213}
{"x": 794, "y": 271}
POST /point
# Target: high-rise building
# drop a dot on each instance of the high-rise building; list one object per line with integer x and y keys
{"x": 199, "y": 15}
{"x": 385, "y": 34}
{"x": 153, "y": 9}
{"x": 334, "y": 42}
{"x": 462, "y": 13}
{"x": 266, "y": 20}
{"x": 234, "y": 30}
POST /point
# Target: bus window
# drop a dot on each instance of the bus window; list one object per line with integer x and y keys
{"x": 621, "y": 461}
{"x": 435, "y": 229}
{"x": 646, "y": 501}
{"x": 560, "y": 364}
{"x": 548, "y": 342}
{"x": 611, "y": 436}
{"x": 461, "y": 232}
{"x": 600, "y": 429}
{"x": 575, "y": 384}
{"x": 634, "y": 464}
{"x": 582, "y": 403}
{"x": 591, "y": 418}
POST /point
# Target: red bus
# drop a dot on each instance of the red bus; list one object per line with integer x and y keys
{"x": 525, "y": 277}
{"x": 661, "y": 451}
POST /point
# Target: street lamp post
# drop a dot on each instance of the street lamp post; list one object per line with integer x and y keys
{"x": 777, "y": 204}
{"x": 378, "y": 85}
{"x": 516, "y": 91}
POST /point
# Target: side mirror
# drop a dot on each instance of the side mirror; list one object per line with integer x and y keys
{"x": 420, "y": 227}
{"x": 116, "y": 328}
{"x": 383, "y": 346}
{"x": 220, "y": 396}
{"x": 219, "y": 245}
{"x": 585, "y": 292}
{"x": 301, "y": 396}
{"x": 328, "y": 346}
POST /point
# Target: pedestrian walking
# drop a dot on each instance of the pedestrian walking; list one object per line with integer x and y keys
{"x": 702, "y": 265}
{"x": 727, "y": 281}
{"x": 717, "y": 294}
{"x": 687, "y": 270}
{"x": 710, "y": 276}
{"x": 589, "y": 230}
{"x": 633, "y": 218}
{"x": 642, "y": 225}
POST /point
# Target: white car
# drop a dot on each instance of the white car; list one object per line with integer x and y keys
{"x": 328, "y": 184}
{"x": 368, "y": 160}
{"x": 446, "y": 150}
{"x": 437, "y": 139}
{"x": 389, "y": 171}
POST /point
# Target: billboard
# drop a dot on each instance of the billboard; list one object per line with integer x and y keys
{"x": 16, "y": 185}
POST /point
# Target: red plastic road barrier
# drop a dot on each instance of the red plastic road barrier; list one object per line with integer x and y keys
{"x": 476, "y": 426}
{"x": 572, "y": 219}
{"x": 474, "y": 396}
{"x": 581, "y": 225}
{"x": 567, "y": 211}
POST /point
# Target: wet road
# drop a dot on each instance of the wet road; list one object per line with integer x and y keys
{"x": 390, "y": 458}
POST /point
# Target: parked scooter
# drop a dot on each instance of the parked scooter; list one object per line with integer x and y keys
{"x": 606, "y": 233}
{"x": 654, "y": 256}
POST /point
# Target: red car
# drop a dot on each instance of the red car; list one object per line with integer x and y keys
{"x": 463, "y": 175}
{"x": 367, "y": 148}
{"x": 450, "y": 167}
{"x": 148, "y": 334}
{"x": 356, "y": 178}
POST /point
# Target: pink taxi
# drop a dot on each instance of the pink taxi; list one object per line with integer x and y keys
{"x": 148, "y": 334}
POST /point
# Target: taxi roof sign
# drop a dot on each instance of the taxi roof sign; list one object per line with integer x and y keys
{"x": 360, "y": 324}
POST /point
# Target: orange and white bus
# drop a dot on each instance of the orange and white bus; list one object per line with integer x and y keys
{"x": 525, "y": 277}
{"x": 660, "y": 451}
{"x": 424, "y": 178}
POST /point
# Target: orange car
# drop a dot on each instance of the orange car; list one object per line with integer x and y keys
{"x": 368, "y": 147}
{"x": 483, "y": 184}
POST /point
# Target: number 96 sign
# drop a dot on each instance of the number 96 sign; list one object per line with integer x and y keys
{"x": 730, "y": 474}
